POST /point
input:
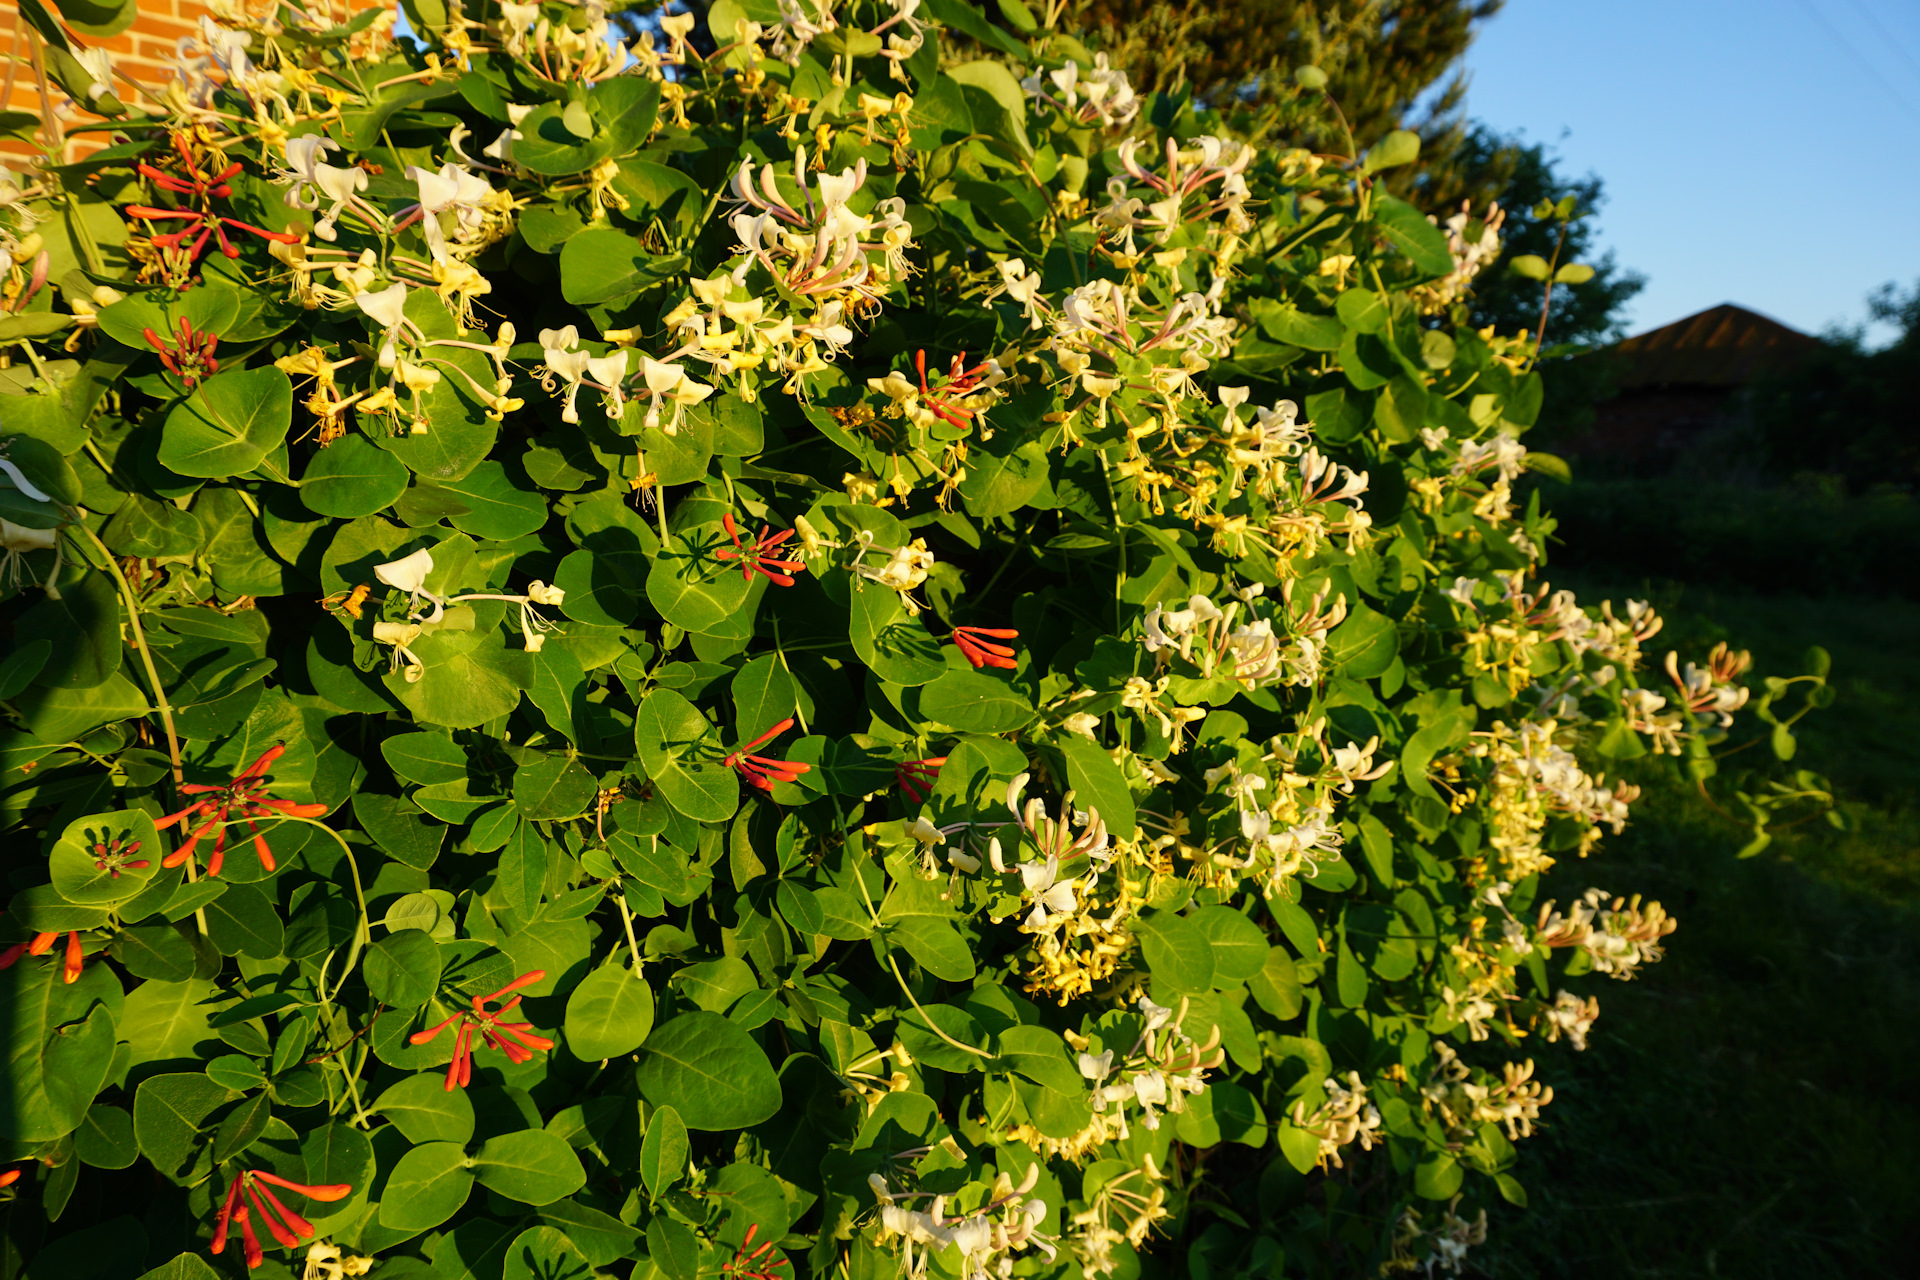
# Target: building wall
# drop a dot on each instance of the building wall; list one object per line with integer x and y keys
{"x": 143, "y": 53}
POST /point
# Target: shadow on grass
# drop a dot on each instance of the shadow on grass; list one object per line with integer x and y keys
{"x": 1751, "y": 1106}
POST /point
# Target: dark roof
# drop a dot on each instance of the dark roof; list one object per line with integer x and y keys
{"x": 1723, "y": 346}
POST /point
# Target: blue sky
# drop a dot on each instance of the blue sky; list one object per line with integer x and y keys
{"x": 1764, "y": 152}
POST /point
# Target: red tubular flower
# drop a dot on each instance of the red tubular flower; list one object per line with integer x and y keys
{"x": 760, "y": 555}
{"x": 201, "y": 189}
{"x": 245, "y": 798}
{"x": 515, "y": 1039}
{"x": 39, "y": 945}
{"x": 286, "y": 1226}
{"x": 113, "y": 858}
{"x": 761, "y": 772}
{"x": 749, "y": 1264}
{"x": 191, "y": 358}
{"x": 976, "y": 645}
{"x": 915, "y": 777}
{"x": 960, "y": 381}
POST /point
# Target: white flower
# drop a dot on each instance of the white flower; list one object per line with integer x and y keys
{"x": 1461, "y": 592}
{"x": 388, "y": 309}
{"x": 21, "y": 482}
{"x": 1096, "y": 1068}
{"x": 452, "y": 190}
{"x": 540, "y": 593}
{"x": 1049, "y": 897}
{"x": 408, "y": 575}
{"x": 99, "y": 64}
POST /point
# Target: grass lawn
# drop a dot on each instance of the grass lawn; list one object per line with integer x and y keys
{"x": 1750, "y": 1107}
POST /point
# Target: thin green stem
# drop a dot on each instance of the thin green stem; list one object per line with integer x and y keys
{"x": 931, "y": 1024}
{"x": 140, "y": 644}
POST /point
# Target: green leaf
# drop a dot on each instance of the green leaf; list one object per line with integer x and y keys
{"x": 1302, "y": 1149}
{"x": 242, "y": 921}
{"x": 425, "y": 757}
{"x": 1097, "y": 783}
{"x": 403, "y": 969}
{"x": 82, "y": 628}
{"x": 532, "y": 1166}
{"x": 116, "y": 839}
{"x": 426, "y": 1187}
{"x": 501, "y": 503}
{"x": 1178, "y": 952}
{"x": 226, "y": 427}
{"x": 663, "y": 1153}
{"x": 105, "y": 1139}
{"x": 1240, "y": 950}
{"x": 601, "y": 264}
{"x": 352, "y": 477}
{"x": 399, "y": 828}
{"x": 462, "y": 687}
{"x": 975, "y": 702}
{"x": 916, "y": 1031}
{"x": 609, "y": 1014}
{"x": 552, "y": 788}
{"x": 425, "y": 1110}
{"x": 1276, "y": 987}
{"x": 936, "y": 945}
{"x": 164, "y": 1021}
{"x": 169, "y": 1115}
{"x": 1437, "y": 1176}
{"x": 545, "y": 1253}
{"x": 763, "y": 693}
{"x": 20, "y": 667}
{"x": 694, "y": 589}
{"x": 242, "y": 1128}
{"x": 894, "y": 643}
{"x": 1362, "y": 311}
{"x": 185, "y": 1266}
{"x": 1530, "y": 265}
{"x": 1041, "y": 1056}
{"x": 680, "y": 750}
{"x": 1364, "y": 645}
{"x": 710, "y": 1071}
{"x": 600, "y": 1237}
{"x": 673, "y": 1248}
{"x": 1402, "y": 146}
{"x": 1286, "y": 322}
{"x": 1408, "y": 230}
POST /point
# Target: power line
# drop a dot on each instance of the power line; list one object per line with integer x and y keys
{"x": 1845, "y": 44}
{"x": 1885, "y": 34}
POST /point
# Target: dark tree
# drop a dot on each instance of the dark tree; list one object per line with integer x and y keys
{"x": 1851, "y": 410}
{"x": 1521, "y": 176}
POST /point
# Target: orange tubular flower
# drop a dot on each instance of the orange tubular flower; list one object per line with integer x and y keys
{"x": 42, "y": 943}
{"x": 960, "y": 381}
{"x": 201, "y": 190}
{"x": 760, "y": 771}
{"x": 976, "y": 645}
{"x": 190, "y": 358}
{"x": 916, "y": 777}
{"x": 245, "y": 798}
{"x": 9, "y": 1177}
{"x": 760, "y": 555}
{"x": 753, "y": 1264}
{"x": 515, "y": 1039}
{"x": 286, "y": 1226}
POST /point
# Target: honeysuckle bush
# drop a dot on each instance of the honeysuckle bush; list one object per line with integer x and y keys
{"x": 859, "y": 654}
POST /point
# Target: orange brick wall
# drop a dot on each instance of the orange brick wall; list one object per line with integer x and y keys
{"x": 144, "y": 53}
